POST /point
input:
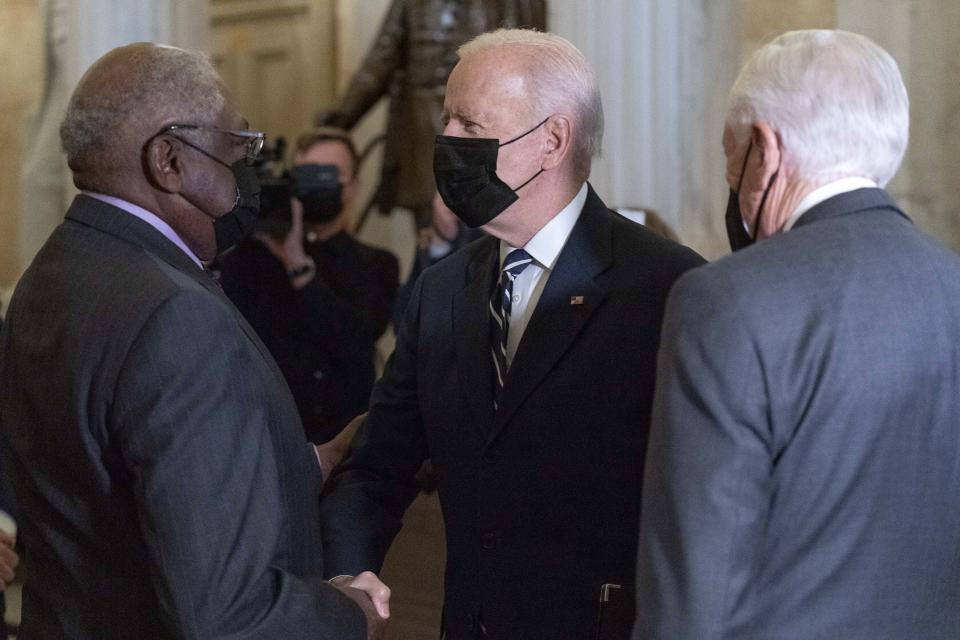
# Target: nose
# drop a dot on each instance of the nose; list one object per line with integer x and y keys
{"x": 453, "y": 128}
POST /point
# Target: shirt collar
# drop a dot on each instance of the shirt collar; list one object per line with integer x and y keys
{"x": 827, "y": 191}
{"x": 150, "y": 218}
{"x": 546, "y": 245}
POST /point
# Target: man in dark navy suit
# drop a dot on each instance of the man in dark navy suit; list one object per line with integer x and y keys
{"x": 525, "y": 364}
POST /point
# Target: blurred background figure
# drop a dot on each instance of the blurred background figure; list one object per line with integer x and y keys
{"x": 445, "y": 235}
{"x": 319, "y": 298}
{"x": 409, "y": 61}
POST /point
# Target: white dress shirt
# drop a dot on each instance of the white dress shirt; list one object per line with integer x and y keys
{"x": 544, "y": 248}
{"x": 827, "y": 191}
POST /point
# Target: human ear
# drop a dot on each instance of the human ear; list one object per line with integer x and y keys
{"x": 163, "y": 164}
{"x": 768, "y": 152}
{"x": 559, "y": 141}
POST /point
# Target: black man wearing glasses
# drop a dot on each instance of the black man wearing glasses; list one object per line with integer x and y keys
{"x": 165, "y": 486}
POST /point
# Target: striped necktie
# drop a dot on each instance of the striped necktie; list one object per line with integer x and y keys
{"x": 516, "y": 261}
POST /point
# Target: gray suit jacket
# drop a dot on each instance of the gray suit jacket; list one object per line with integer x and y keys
{"x": 165, "y": 485}
{"x": 803, "y": 473}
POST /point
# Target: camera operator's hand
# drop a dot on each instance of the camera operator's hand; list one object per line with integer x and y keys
{"x": 300, "y": 266}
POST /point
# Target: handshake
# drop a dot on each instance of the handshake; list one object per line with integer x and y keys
{"x": 372, "y": 596}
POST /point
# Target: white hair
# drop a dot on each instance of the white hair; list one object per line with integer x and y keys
{"x": 560, "y": 81}
{"x": 167, "y": 81}
{"x": 836, "y": 98}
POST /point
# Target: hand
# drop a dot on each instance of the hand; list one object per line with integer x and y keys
{"x": 290, "y": 250}
{"x": 9, "y": 560}
{"x": 372, "y": 596}
{"x": 333, "y": 452}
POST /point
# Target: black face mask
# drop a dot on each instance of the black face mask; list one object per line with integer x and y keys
{"x": 737, "y": 232}
{"x": 466, "y": 173}
{"x": 318, "y": 188}
{"x": 236, "y": 224}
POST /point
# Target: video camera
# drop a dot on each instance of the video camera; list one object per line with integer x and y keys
{"x": 316, "y": 186}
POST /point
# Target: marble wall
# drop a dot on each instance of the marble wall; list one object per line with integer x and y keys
{"x": 664, "y": 70}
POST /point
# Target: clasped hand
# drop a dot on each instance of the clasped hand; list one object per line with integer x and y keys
{"x": 372, "y": 596}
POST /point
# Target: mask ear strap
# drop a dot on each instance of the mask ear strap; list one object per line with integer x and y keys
{"x": 743, "y": 169}
{"x": 512, "y": 140}
{"x": 530, "y": 180}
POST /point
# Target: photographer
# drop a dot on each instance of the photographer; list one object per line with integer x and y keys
{"x": 317, "y": 297}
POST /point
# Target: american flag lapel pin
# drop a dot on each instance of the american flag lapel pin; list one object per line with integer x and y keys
{"x": 576, "y": 299}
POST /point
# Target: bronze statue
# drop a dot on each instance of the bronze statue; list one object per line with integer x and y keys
{"x": 410, "y": 60}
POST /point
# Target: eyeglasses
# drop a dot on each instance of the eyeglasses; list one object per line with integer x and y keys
{"x": 254, "y": 139}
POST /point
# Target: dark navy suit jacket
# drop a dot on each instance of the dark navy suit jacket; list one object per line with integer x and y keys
{"x": 540, "y": 499}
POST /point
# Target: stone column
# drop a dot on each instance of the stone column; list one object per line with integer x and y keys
{"x": 664, "y": 69}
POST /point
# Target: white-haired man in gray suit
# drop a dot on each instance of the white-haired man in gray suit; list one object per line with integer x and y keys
{"x": 804, "y": 460}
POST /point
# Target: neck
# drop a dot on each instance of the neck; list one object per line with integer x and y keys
{"x": 787, "y": 197}
{"x": 517, "y": 227}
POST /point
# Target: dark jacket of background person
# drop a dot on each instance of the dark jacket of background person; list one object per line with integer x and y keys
{"x": 410, "y": 61}
{"x": 165, "y": 486}
{"x": 541, "y": 499}
{"x": 324, "y": 335}
{"x": 804, "y": 463}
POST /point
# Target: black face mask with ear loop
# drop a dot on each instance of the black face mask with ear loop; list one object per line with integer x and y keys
{"x": 466, "y": 173}
{"x": 235, "y": 225}
{"x": 737, "y": 232}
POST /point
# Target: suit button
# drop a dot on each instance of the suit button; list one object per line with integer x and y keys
{"x": 489, "y": 540}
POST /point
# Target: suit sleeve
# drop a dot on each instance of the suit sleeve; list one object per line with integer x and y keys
{"x": 194, "y": 434}
{"x": 706, "y": 485}
{"x": 367, "y": 494}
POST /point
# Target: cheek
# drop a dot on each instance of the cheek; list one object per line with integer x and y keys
{"x": 221, "y": 192}
{"x": 518, "y": 164}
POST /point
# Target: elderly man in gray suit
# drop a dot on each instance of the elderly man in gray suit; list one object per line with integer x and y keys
{"x": 803, "y": 472}
{"x": 165, "y": 487}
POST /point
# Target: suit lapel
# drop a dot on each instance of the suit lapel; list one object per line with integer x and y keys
{"x": 570, "y": 298}
{"x": 471, "y": 334}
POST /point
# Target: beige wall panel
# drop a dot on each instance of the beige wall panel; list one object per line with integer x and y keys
{"x": 277, "y": 56}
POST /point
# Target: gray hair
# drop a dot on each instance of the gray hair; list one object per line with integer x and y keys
{"x": 561, "y": 80}
{"x": 165, "y": 83}
{"x": 835, "y": 97}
